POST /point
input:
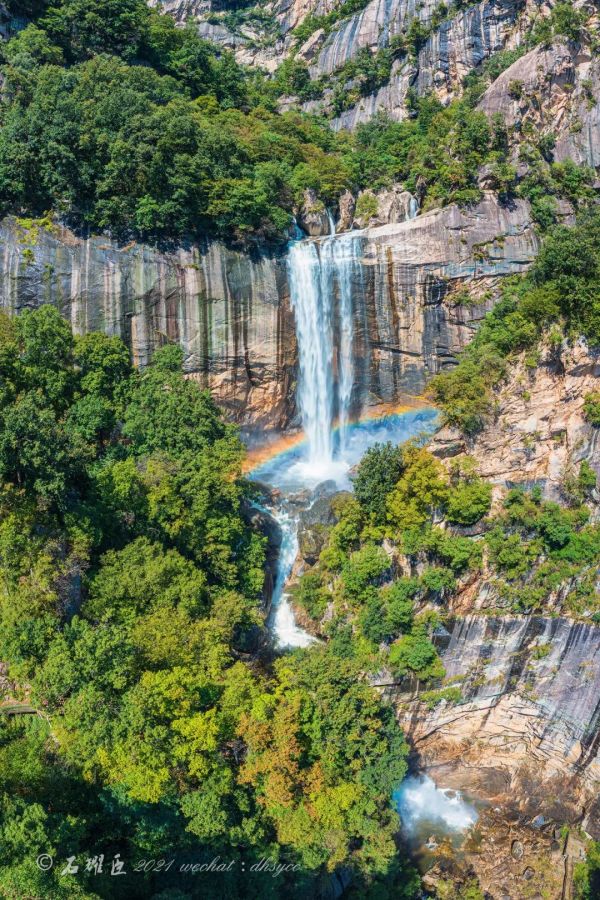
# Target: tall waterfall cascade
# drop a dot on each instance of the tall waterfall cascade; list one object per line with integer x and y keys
{"x": 321, "y": 276}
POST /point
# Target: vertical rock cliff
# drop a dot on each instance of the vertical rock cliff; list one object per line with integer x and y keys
{"x": 230, "y": 310}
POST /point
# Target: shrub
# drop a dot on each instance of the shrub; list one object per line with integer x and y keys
{"x": 366, "y": 206}
{"x": 398, "y": 599}
{"x": 468, "y": 502}
{"x": 414, "y": 654}
{"x": 363, "y": 568}
{"x": 378, "y": 472}
{"x": 310, "y": 594}
{"x": 421, "y": 490}
{"x": 591, "y": 408}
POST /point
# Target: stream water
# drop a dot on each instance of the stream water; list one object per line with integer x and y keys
{"x": 323, "y": 275}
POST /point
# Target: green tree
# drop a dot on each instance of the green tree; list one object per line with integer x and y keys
{"x": 378, "y": 472}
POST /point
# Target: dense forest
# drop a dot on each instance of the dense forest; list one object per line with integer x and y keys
{"x": 115, "y": 119}
{"x": 150, "y": 730}
{"x": 130, "y": 620}
{"x": 130, "y": 613}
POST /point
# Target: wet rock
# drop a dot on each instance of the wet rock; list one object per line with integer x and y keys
{"x": 315, "y": 523}
{"x": 264, "y": 523}
{"x": 312, "y": 215}
{"x": 325, "y": 489}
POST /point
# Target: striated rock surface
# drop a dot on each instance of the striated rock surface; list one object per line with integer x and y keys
{"x": 227, "y": 309}
{"x": 459, "y": 44}
{"x": 559, "y": 96}
{"x": 526, "y": 733}
{"x": 231, "y": 313}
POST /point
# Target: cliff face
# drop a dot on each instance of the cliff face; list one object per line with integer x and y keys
{"x": 231, "y": 312}
{"x": 530, "y": 694}
{"x": 539, "y": 434}
{"x": 458, "y": 45}
{"x": 559, "y": 95}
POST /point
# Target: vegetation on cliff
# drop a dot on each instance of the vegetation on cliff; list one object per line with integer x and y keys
{"x": 405, "y": 547}
{"x": 558, "y": 300}
{"x": 115, "y": 119}
{"x": 130, "y": 623}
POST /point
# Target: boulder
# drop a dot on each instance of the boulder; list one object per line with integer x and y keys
{"x": 312, "y": 216}
{"x": 347, "y": 205}
{"x": 315, "y": 523}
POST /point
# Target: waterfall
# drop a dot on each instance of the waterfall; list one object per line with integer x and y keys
{"x": 321, "y": 272}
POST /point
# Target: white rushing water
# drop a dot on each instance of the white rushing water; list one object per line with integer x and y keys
{"x": 321, "y": 272}
{"x": 425, "y": 809}
{"x": 287, "y": 633}
{"x": 288, "y": 473}
{"x": 323, "y": 275}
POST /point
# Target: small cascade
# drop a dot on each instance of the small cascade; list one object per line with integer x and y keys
{"x": 282, "y": 621}
{"x": 424, "y": 807}
{"x": 321, "y": 274}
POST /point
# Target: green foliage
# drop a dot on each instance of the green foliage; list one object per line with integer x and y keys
{"x": 366, "y": 207}
{"x": 567, "y": 21}
{"x": 312, "y": 23}
{"x": 587, "y": 874}
{"x": 421, "y": 490}
{"x": 447, "y": 695}
{"x": 414, "y": 654}
{"x": 345, "y": 751}
{"x": 562, "y": 287}
{"x": 116, "y": 119}
{"x": 378, "y": 472}
{"x": 468, "y": 502}
{"x": 310, "y": 595}
{"x": 591, "y": 408}
{"x": 363, "y": 568}
{"x": 540, "y": 546}
{"x": 440, "y": 147}
{"x": 129, "y": 597}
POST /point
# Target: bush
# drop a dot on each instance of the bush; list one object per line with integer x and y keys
{"x": 362, "y": 569}
{"x": 366, "y": 206}
{"x": 414, "y": 654}
{"x": 591, "y": 409}
{"x": 468, "y": 502}
{"x": 311, "y": 595}
{"x": 378, "y": 472}
{"x": 398, "y": 599}
{"x": 421, "y": 491}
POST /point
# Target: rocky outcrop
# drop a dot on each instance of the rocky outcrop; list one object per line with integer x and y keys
{"x": 539, "y": 435}
{"x": 525, "y": 734}
{"x": 312, "y": 216}
{"x": 231, "y": 312}
{"x": 552, "y": 91}
{"x": 387, "y": 207}
{"x": 459, "y": 44}
{"x": 227, "y": 309}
